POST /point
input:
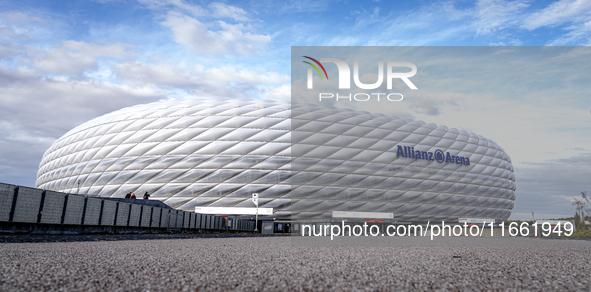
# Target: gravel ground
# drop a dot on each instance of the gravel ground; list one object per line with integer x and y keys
{"x": 280, "y": 264}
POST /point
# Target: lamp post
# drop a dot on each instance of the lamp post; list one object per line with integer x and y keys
{"x": 255, "y": 200}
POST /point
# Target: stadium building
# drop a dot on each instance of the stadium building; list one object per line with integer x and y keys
{"x": 304, "y": 160}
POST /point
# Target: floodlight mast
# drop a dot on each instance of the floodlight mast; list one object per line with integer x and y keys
{"x": 255, "y": 200}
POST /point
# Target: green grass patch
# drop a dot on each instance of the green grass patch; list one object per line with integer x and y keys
{"x": 582, "y": 232}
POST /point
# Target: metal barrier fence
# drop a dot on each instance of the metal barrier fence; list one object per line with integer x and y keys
{"x": 23, "y": 205}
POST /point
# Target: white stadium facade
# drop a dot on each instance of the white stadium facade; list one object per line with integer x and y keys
{"x": 304, "y": 160}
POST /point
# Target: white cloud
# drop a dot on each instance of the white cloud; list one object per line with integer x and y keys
{"x": 72, "y": 57}
{"x": 229, "y": 75}
{"x": 195, "y": 10}
{"x": 577, "y": 13}
{"x": 18, "y": 18}
{"x": 497, "y": 22}
{"x": 35, "y": 110}
{"x": 214, "y": 38}
{"x": 200, "y": 81}
{"x": 559, "y": 12}
{"x": 23, "y": 42}
{"x": 282, "y": 93}
{"x": 579, "y": 34}
{"x": 16, "y": 30}
{"x": 48, "y": 106}
{"x": 563, "y": 180}
{"x": 413, "y": 28}
{"x": 494, "y": 15}
{"x": 216, "y": 9}
{"x": 222, "y": 10}
{"x": 300, "y": 6}
{"x": 49, "y": 87}
{"x": 451, "y": 11}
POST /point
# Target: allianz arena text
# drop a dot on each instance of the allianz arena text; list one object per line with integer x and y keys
{"x": 304, "y": 160}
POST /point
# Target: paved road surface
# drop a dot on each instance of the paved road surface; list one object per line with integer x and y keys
{"x": 284, "y": 264}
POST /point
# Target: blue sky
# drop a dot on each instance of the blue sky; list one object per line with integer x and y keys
{"x": 65, "y": 62}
